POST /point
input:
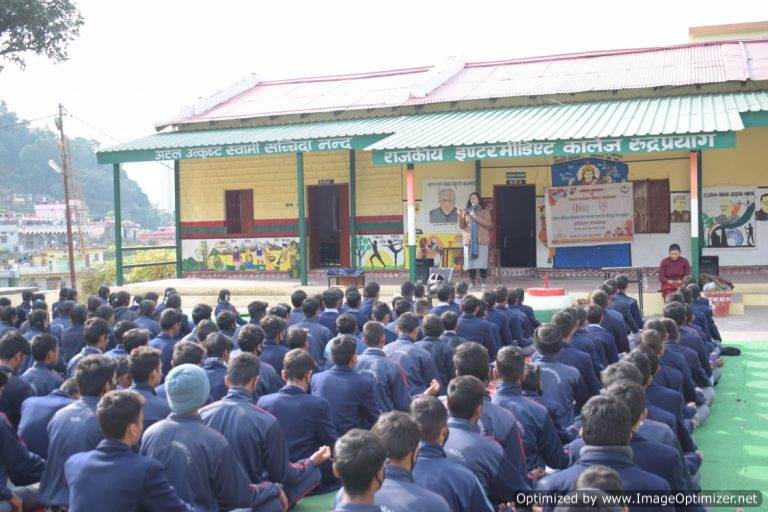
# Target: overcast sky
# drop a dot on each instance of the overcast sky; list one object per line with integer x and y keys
{"x": 136, "y": 63}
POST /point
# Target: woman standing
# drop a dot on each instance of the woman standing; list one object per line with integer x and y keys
{"x": 475, "y": 222}
{"x": 673, "y": 269}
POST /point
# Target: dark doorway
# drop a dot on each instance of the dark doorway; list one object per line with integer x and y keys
{"x": 328, "y": 226}
{"x": 515, "y": 209}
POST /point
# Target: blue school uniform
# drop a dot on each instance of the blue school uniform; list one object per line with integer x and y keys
{"x": 442, "y": 355}
{"x": 350, "y": 395}
{"x": 319, "y": 336}
{"x": 328, "y": 319}
{"x": 36, "y": 413}
{"x": 584, "y": 341}
{"x": 517, "y": 322}
{"x": 416, "y": 362}
{"x": 354, "y": 507}
{"x": 118, "y": 351}
{"x": 527, "y": 310}
{"x": 164, "y": 342}
{"x": 273, "y": 353}
{"x": 269, "y": 380}
{"x": 359, "y": 347}
{"x": 87, "y": 350}
{"x": 201, "y": 466}
{"x": 304, "y": 419}
{"x": 540, "y": 439}
{"x": 478, "y": 330}
{"x": 155, "y": 408}
{"x": 42, "y": 379}
{"x": 581, "y": 361}
{"x": 442, "y": 307}
{"x": 676, "y": 361}
{"x": 561, "y": 384}
{"x": 687, "y": 444}
{"x": 603, "y": 338}
{"x": 5, "y": 327}
{"x": 614, "y": 323}
{"x": 399, "y": 493}
{"x": 501, "y": 321}
{"x": 634, "y": 308}
{"x": 17, "y": 463}
{"x": 72, "y": 341}
{"x": 366, "y": 307}
{"x": 690, "y": 339}
{"x": 692, "y": 361}
{"x": 703, "y": 311}
{"x": 669, "y": 400}
{"x": 73, "y": 429}
{"x": 150, "y": 324}
{"x": 670, "y": 378}
{"x": 126, "y": 481}
{"x": 15, "y": 391}
{"x": 501, "y": 425}
{"x": 452, "y": 339}
{"x": 454, "y": 482}
{"x": 390, "y": 388}
{"x": 216, "y": 369}
{"x": 622, "y": 308}
{"x": 258, "y": 443}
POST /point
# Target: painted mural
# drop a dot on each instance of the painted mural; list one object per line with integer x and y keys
{"x": 729, "y": 217}
{"x": 589, "y": 171}
{"x": 242, "y": 254}
{"x": 442, "y": 247}
{"x": 380, "y": 251}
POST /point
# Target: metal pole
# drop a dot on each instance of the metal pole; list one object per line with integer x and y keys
{"x": 302, "y": 219}
{"x": 478, "y": 178}
{"x": 67, "y": 207}
{"x": 411, "y": 209}
{"x": 695, "y": 170}
{"x": 177, "y": 212}
{"x": 118, "y": 226}
{"x": 353, "y": 207}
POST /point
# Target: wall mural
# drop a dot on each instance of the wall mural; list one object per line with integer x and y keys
{"x": 380, "y": 251}
{"x": 729, "y": 217}
{"x": 241, "y": 254}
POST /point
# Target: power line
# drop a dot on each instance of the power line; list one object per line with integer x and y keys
{"x": 27, "y": 121}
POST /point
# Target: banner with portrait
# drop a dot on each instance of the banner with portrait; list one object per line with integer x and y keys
{"x": 728, "y": 215}
{"x": 440, "y": 201}
{"x": 589, "y": 171}
{"x": 680, "y": 204}
{"x": 589, "y": 215}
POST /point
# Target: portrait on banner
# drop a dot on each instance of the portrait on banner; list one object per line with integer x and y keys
{"x": 441, "y": 200}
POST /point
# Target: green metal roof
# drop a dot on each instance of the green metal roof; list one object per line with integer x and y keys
{"x": 673, "y": 115}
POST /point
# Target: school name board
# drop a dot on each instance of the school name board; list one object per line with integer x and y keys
{"x": 509, "y": 150}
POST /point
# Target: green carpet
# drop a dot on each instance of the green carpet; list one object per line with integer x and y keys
{"x": 735, "y": 440}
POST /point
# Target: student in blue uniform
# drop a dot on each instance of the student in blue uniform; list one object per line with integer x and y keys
{"x": 560, "y": 383}
{"x": 674, "y": 360}
{"x": 370, "y": 297}
{"x": 380, "y": 312}
{"x": 517, "y": 319}
{"x": 532, "y": 323}
{"x": 217, "y": 348}
{"x": 619, "y": 306}
{"x": 200, "y": 313}
{"x": 147, "y": 372}
{"x": 500, "y": 320}
{"x": 251, "y": 338}
{"x": 225, "y": 321}
{"x": 584, "y": 341}
{"x": 273, "y": 349}
{"x": 574, "y": 357}
{"x": 38, "y": 324}
{"x": 400, "y": 437}
{"x": 390, "y": 389}
{"x": 95, "y": 335}
{"x": 198, "y": 460}
{"x": 41, "y": 376}
{"x": 467, "y": 446}
{"x": 434, "y": 470}
{"x": 319, "y": 335}
{"x": 37, "y": 411}
{"x": 401, "y": 306}
{"x": 118, "y": 332}
{"x": 359, "y": 463}
{"x": 113, "y": 473}
{"x": 441, "y": 352}
{"x": 24, "y": 307}
{"x": 170, "y": 322}
{"x": 255, "y": 435}
{"x": 330, "y": 313}
{"x": 350, "y": 394}
{"x": 472, "y": 328}
{"x": 346, "y": 325}
{"x": 7, "y": 319}
{"x": 184, "y": 352}
{"x": 353, "y": 307}
{"x": 691, "y": 359}
{"x": 605, "y": 344}
{"x": 541, "y": 442}
{"x": 622, "y": 283}
{"x": 297, "y": 314}
{"x": 666, "y": 376}
{"x": 450, "y": 321}
{"x": 703, "y": 310}
{"x": 146, "y": 319}
{"x": 444, "y": 301}
{"x": 606, "y": 431}
{"x": 612, "y": 321}
{"x": 416, "y": 362}
{"x": 13, "y": 349}
{"x": 72, "y": 339}
{"x": 689, "y": 339}
{"x": 74, "y": 428}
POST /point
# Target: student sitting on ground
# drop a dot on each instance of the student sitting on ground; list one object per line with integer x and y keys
{"x": 570, "y": 355}
{"x": 444, "y": 301}
{"x": 118, "y": 332}
{"x": 37, "y": 411}
{"x": 389, "y": 379}
{"x": 353, "y": 307}
{"x": 531, "y": 389}
{"x": 673, "y": 360}
{"x": 251, "y": 339}
{"x": 170, "y": 322}
{"x": 41, "y": 376}
{"x": 416, "y": 362}
{"x": 184, "y": 352}
{"x": 612, "y": 321}
{"x": 13, "y": 349}
{"x": 226, "y": 323}
{"x": 604, "y": 342}
{"x": 346, "y": 325}
{"x": 359, "y": 464}
{"x": 297, "y": 314}
{"x": 217, "y": 349}
{"x": 500, "y": 320}
{"x": 146, "y": 319}
{"x": 584, "y": 341}
{"x": 273, "y": 349}
{"x": 371, "y": 296}
{"x": 199, "y": 313}
{"x": 329, "y": 315}
{"x": 450, "y": 321}
{"x": 147, "y": 372}
{"x": 127, "y": 481}
{"x": 472, "y": 328}
{"x": 381, "y": 313}
{"x": 319, "y": 335}
{"x": 441, "y": 352}
{"x": 95, "y": 334}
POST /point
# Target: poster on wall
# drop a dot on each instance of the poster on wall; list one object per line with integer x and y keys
{"x": 729, "y": 217}
{"x": 241, "y": 254}
{"x": 681, "y": 207}
{"x": 590, "y": 215}
{"x": 589, "y": 171}
{"x": 761, "y": 209}
{"x": 440, "y": 201}
{"x": 380, "y": 251}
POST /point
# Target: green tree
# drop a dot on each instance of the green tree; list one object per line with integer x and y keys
{"x": 142, "y": 274}
{"x": 43, "y": 27}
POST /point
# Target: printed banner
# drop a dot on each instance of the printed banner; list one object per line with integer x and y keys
{"x": 241, "y": 254}
{"x": 681, "y": 208}
{"x": 380, "y": 251}
{"x": 440, "y": 201}
{"x": 445, "y": 248}
{"x": 589, "y": 171}
{"x": 591, "y": 215}
{"x": 761, "y": 209}
{"x": 729, "y": 217}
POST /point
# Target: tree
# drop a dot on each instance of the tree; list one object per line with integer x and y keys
{"x": 44, "y": 27}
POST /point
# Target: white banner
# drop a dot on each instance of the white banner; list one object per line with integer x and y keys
{"x": 590, "y": 215}
{"x": 440, "y": 200}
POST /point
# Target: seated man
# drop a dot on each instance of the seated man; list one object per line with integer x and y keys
{"x": 441, "y": 352}
{"x": 574, "y": 357}
{"x": 255, "y": 435}
{"x": 126, "y": 480}
{"x": 501, "y": 319}
{"x": 389, "y": 387}
{"x": 476, "y": 329}
{"x": 350, "y": 394}
{"x": 184, "y": 352}
{"x": 217, "y": 347}
{"x": 444, "y": 301}
{"x": 416, "y": 362}
{"x": 582, "y": 340}
{"x": 467, "y": 446}
{"x": 353, "y": 307}
{"x": 381, "y": 313}
{"x": 450, "y": 321}
{"x": 13, "y": 349}
{"x": 251, "y": 338}
{"x": 329, "y": 315}
{"x": 319, "y": 335}
{"x": 297, "y": 299}
{"x": 170, "y": 324}
{"x": 41, "y": 375}
{"x": 346, "y": 325}
{"x": 199, "y": 461}
{"x": 604, "y": 342}
{"x": 146, "y": 319}
{"x": 95, "y": 333}
{"x": 359, "y": 464}
{"x": 622, "y": 283}
{"x": 519, "y": 298}
{"x": 119, "y": 331}
{"x": 37, "y": 411}
{"x": 147, "y": 372}
{"x": 612, "y": 321}
{"x": 273, "y": 349}
{"x": 199, "y": 313}
{"x": 433, "y": 470}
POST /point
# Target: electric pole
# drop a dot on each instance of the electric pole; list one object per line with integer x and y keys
{"x": 67, "y": 207}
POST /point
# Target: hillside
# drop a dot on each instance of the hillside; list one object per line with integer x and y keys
{"x": 24, "y": 155}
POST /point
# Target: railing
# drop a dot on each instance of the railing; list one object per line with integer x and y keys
{"x": 120, "y": 267}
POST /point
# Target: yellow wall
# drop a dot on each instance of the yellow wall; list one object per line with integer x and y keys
{"x": 746, "y": 164}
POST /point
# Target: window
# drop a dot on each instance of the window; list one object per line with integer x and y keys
{"x": 239, "y": 210}
{"x": 652, "y": 209}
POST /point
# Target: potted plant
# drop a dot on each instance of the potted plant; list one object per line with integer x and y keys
{"x": 719, "y": 291}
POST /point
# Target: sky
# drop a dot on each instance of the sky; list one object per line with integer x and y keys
{"x": 137, "y": 63}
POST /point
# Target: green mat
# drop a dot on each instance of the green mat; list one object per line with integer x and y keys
{"x": 734, "y": 440}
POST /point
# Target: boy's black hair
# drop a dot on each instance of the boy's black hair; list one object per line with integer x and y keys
{"x": 531, "y": 378}
{"x": 430, "y": 416}
{"x": 398, "y": 433}
{"x": 465, "y": 395}
{"x": 380, "y": 311}
{"x": 93, "y": 372}
{"x": 94, "y": 330}
{"x": 66, "y": 307}
{"x": 330, "y": 299}
{"x": 37, "y": 318}
{"x": 600, "y": 298}
{"x": 358, "y": 458}
{"x": 187, "y": 352}
{"x": 13, "y": 343}
{"x": 372, "y": 333}
{"x": 450, "y": 320}
{"x": 117, "y": 410}
{"x": 297, "y": 363}
{"x": 461, "y": 288}
{"x": 143, "y": 361}
{"x": 640, "y": 360}
{"x": 297, "y": 298}
{"x": 419, "y": 291}
{"x": 7, "y": 313}
{"x": 673, "y": 331}
{"x": 147, "y": 308}
{"x": 510, "y": 363}
{"x": 651, "y": 339}
{"x": 122, "y": 327}
{"x": 548, "y": 339}
{"x": 169, "y": 318}
{"x": 565, "y": 322}
{"x": 371, "y": 290}
{"x": 353, "y": 298}
{"x": 469, "y": 304}
{"x": 403, "y": 306}
{"x": 135, "y": 338}
{"x": 595, "y": 314}
{"x": 432, "y": 325}
{"x": 272, "y": 326}
{"x": 407, "y": 323}
{"x": 92, "y": 304}
{"x": 657, "y": 325}
{"x": 173, "y": 301}
{"x": 343, "y": 348}
{"x": 249, "y": 337}
{"x": 204, "y": 328}
{"x": 225, "y": 320}
{"x": 153, "y": 296}
{"x": 297, "y": 338}
{"x": 695, "y": 290}
{"x": 406, "y": 289}
{"x": 601, "y": 478}
{"x": 631, "y": 394}
{"x": 489, "y": 298}
{"x": 279, "y": 311}
{"x": 471, "y": 358}
{"x": 621, "y": 370}
{"x": 346, "y": 324}
{"x": 216, "y": 345}
{"x": 443, "y": 292}
{"x": 422, "y": 307}
{"x": 309, "y": 307}
{"x": 622, "y": 282}
{"x": 243, "y": 368}
{"x": 201, "y": 312}
{"x": 501, "y": 294}
{"x": 257, "y": 310}
{"x": 42, "y": 344}
{"x": 653, "y": 359}
{"x": 605, "y": 422}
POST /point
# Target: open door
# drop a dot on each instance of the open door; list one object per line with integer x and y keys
{"x": 328, "y": 225}
{"x": 515, "y": 221}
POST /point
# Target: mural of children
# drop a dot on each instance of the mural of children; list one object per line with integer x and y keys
{"x": 237, "y": 260}
{"x": 395, "y": 248}
{"x": 376, "y": 255}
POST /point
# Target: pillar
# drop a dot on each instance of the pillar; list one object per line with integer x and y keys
{"x": 352, "y": 208}
{"x": 118, "y": 226}
{"x": 695, "y": 176}
{"x": 478, "y": 178}
{"x": 177, "y": 212}
{"x": 302, "y": 219}
{"x": 410, "y": 194}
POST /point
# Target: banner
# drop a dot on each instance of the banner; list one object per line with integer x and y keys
{"x": 440, "y": 200}
{"x": 590, "y": 215}
{"x": 380, "y": 251}
{"x": 729, "y": 217}
{"x": 589, "y": 171}
{"x": 680, "y": 203}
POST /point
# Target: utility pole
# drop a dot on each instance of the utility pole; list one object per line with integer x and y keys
{"x": 67, "y": 208}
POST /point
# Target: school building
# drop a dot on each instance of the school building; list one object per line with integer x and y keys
{"x": 366, "y": 170}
